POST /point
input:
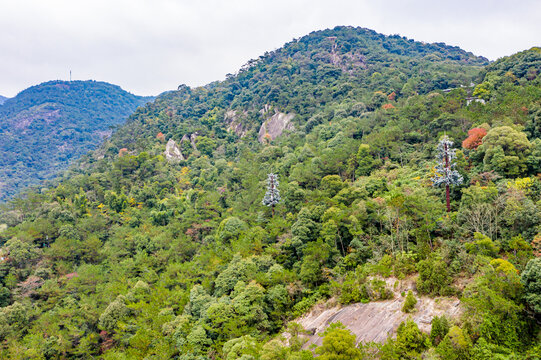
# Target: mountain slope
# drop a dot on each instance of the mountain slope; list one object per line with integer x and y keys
{"x": 344, "y": 65}
{"x": 142, "y": 253}
{"x": 525, "y": 64}
{"x": 46, "y": 126}
{"x": 2, "y": 99}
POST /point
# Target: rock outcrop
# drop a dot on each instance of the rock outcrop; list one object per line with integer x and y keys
{"x": 275, "y": 126}
{"x": 378, "y": 320}
{"x": 172, "y": 152}
{"x": 192, "y": 140}
{"x": 189, "y": 138}
{"x": 234, "y": 122}
{"x": 348, "y": 61}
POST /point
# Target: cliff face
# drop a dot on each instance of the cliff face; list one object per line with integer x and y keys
{"x": 234, "y": 121}
{"x": 377, "y": 320}
{"x": 172, "y": 152}
{"x": 275, "y": 126}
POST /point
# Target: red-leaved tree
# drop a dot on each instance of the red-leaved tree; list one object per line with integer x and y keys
{"x": 474, "y": 139}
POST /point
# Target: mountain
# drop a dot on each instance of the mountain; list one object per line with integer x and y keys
{"x": 2, "y": 99}
{"x": 299, "y": 191}
{"x": 45, "y": 127}
{"x": 307, "y": 75}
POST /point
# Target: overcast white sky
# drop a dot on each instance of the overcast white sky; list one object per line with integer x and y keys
{"x": 149, "y": 46}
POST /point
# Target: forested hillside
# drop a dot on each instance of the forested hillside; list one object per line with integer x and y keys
{"x": 171, "y": 241}
{"x": 46, "y": 126}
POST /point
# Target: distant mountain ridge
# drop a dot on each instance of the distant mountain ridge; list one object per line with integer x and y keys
{"x": 2, "y": 99}
{"x": 46, "y": 126}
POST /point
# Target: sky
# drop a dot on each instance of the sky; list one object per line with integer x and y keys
{"x": 150, "y": 46}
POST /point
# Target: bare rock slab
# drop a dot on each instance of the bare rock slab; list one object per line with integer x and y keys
{"x": 172, "y": 152}
{"x": 378, "y": 320}
{"x": 275, "y": 126}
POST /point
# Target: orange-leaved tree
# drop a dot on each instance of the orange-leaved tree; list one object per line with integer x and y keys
{"x": 474, "y": 139}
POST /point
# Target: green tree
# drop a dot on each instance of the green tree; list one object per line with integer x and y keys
{"x": 238, "y": 269}
{"x": 248, "y": 301}
{"x": 198, "y": 340}
{"x": 20, "y": 252}
{"x": 482, "y": 245}
{"x": 455, "y": 345}
{"x": 242, "y": 348}
{"x": 5, "y": 296}
{"x": 505, "y": 151}
{"x": 531, "y": 280}
{"x": 205, "y": 145}
{"x": 365, "y": 160}
{"x": 116, "y": 202}
{"x": 332, "y": 184}
{"x": 410, "y": 341}
{"x": 409, "y": 303}
{"x": 316, "y": 255}
{"x": 439, "y": 328}
{"x": 294, "y": 197}
{"x": 231, "y": 228}
{"x": 113, "y": 313}
{"x": 338, "y": 344}
{"x": 14, "y": 318}
{"x": 434, "y": 276}
{"x": 491, "y": 310}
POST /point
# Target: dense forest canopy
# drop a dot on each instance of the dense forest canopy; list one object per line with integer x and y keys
{"x": 47, "y": 126}
{"x": 138, "y": 253}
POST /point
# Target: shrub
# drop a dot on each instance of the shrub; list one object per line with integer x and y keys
{"x": 482, "y": 245}
{"x": 409, "y": 303}
{"x": 440, "y": 328}
{"x": 455, "y": 345}
{"x": 434, "y": 277}
{"x": 338, "y": 343}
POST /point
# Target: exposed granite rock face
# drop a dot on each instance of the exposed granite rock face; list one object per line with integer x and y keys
{"x": 185, "y": 137}
{"x": 347, "y": 62}
{"x": 275, "y": 125}
{"x": 192, "y": 140}
{"x": 189, "y": 138}
{"x": 172, "y": 152}
{"x": 233, "y": 119}
{"x": 378, "y": 320}
{"x": 266, "y": 109}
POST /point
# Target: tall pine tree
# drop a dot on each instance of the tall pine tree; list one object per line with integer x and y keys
{"x": 445, "y": 175}
{"x": 272, "y": 196}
